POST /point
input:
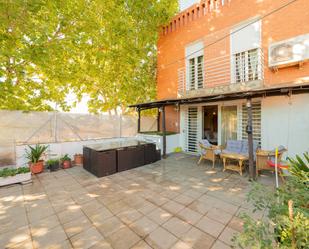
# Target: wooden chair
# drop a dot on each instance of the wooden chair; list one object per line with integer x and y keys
{"x": 210, "y": 152}
{"x": 263, "y": 156}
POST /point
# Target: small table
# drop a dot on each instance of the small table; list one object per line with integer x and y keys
{"x": 229, "y": 158}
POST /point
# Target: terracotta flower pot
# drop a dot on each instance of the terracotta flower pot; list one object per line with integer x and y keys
{"x": 78, "y": 159}
{"x": 37, "y": 167}
{"x": 66, "y": 164}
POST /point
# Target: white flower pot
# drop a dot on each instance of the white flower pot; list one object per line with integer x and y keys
{"x": 15, "y": 179}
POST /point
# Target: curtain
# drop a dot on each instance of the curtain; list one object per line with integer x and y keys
{"x": 228, "y": 123}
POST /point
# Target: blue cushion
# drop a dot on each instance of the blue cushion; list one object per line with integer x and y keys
{"x": 234, "y": 146}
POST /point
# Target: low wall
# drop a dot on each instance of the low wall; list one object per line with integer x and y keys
{"x": 60, "y": 149}
{"x": 172, "y": 141}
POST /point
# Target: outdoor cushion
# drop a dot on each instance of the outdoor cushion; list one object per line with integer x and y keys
{"x": 233, "y": 146}
{"x": 281, "y": 149}
{"x": 217, "y": 152}
{"x": 205, "y": 143}
{"x": 245, "y": 147}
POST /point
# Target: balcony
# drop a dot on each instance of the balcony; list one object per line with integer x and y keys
{"x": 222, "y": 74}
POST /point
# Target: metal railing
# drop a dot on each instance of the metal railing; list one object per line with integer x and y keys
{"x": 243, "y": 67}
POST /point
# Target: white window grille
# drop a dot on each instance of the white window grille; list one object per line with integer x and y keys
{"x": 196, "y": 73}
{"x": 247, "y": 66}
{"x": 256, "y": 121}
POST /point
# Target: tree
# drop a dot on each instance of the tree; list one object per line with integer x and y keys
{"x": 105, "y": 49}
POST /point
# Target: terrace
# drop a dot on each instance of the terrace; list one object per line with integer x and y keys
{"x": 172, "y": 203}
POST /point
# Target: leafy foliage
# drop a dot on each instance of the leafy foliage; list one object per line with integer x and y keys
{"x": 52, "y": 162}
{"x": 279, "y": 230}
{"x": 6, "y": 172}
{"x": 33, "y": 154}
{"x": 53, "y": 49}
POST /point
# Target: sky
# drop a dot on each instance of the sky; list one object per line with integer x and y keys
{"x": 186, "y": 3}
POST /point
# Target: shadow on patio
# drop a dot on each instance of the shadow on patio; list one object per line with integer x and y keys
{"x": 172, "y": 203}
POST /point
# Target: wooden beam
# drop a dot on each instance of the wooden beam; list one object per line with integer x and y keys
{"x": 139, "y": 120}
{"x": 164, "y": 131}
{"x": 249, "y": 129}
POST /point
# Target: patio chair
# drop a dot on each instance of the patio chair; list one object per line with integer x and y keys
{"x": 209, "y": 151}
{"x": 263, "y": 157}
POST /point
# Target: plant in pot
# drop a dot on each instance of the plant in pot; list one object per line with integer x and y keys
{"x": 34, "y": 155}
{"x": 52, "y": 164}
{"x": 78, "y": 159}
{"x": 66, "y": 161}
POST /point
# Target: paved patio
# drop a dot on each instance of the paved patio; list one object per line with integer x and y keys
{"x": 172, "y": 203}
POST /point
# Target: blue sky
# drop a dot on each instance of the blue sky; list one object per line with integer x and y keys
{"x": 186, "y": 3}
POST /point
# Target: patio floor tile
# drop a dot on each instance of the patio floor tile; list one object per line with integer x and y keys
{"x": 76, "y": 226}
{"x": 102, "y": 244}
{"x": 169, "y": 204}
{"x": 173, "y": 207}
{"x": 159, "y": 215}
{"x": 219, "y": 215}
{"x": 184, "y": 199}
{"x": 141, "y": 245}
{"x": 49, "y": 238}
{"x": 220, "y": 245}
{"x": 123, "y": 238}
{"x": 143, "y": 226}
{"x": 129, "y": 216}
{"x": 176, "y": 226}
{"x": 181, "y": 245}
{"x": 161, "y": 239}
{"x": 197, "y": 239}
{"x": 227, "y": 235}
{"x": 86, "y": 239}
{"x": 210, "y": 226}
{"x": 110, "y": 225}
{"x": 189, "y": 216}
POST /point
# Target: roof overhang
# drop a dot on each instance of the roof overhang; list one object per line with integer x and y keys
{"x": 256, "y": 93}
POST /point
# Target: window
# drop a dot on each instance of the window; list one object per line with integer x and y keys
{"x": 246, "y": 65}
{"x": 196, "y": 78}
{"x": 256, "y": 121}
{"x": 195, "y": 66}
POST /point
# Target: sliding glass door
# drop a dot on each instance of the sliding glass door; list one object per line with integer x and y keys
{"x": 228, "y": 123}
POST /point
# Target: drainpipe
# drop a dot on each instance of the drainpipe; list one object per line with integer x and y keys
{"x": 164, "y": 131}
{"x": 158, "y": 120}
{"x": 139, "y": 120}
{"x": 249, "y": 130}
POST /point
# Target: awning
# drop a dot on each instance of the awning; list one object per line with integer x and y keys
{"x": 264, "y": 92}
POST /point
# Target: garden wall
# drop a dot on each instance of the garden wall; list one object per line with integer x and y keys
{"x": 69, "y": 130}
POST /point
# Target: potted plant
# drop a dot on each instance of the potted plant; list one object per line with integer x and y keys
{"x": 11, "y": 175}
{"x": 34, "y": 155}
{"x": 78, "y": 159}
{"x": 52, "y": 164}
{"x": 66, "y": 161}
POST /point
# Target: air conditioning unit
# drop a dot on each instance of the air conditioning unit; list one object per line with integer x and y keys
{"x": 289, "y": 52}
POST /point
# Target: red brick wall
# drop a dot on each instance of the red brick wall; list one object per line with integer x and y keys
{"x": 286, "y": 23}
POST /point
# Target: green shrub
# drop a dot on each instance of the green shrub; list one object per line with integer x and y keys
{"x": 12, "y": 172}
{"x": 281, "y": 228}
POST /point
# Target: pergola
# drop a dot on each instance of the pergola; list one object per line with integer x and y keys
{"x": 248, "y": 95}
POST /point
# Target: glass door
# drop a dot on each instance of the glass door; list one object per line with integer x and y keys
{"x": 228, "y": 123}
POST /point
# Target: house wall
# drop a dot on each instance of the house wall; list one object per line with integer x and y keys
{"x": 284, "y": 24}
{"x": 285, "y": 121}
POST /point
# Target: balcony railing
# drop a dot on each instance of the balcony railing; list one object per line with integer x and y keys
{"x": 243, "y": 67}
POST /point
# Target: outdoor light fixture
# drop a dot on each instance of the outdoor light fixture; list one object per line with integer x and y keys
{"x": 161, "y": 109}
{"x": 248, "y": 104}
{"x": 177, "y": 108}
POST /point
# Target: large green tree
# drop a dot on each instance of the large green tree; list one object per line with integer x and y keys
{"x": 103, "y": 48}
